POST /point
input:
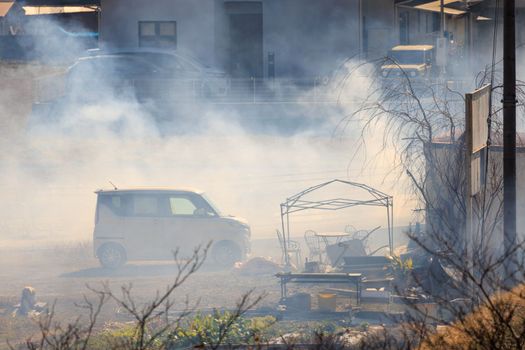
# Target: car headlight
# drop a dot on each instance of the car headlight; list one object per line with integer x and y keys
{"x": 413, "y": 74}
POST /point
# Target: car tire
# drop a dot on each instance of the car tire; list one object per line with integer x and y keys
{"x": 111, "y": 255}
{"x": 226, "y": 253}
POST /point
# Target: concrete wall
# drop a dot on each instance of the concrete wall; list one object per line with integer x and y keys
{"x": 195, "y": 23}
{"x": 420, "y": 25}
{"x": 447, "y": 203}
{"x": 310, "y": 36}
{"x": 307, "y": 37}
{"x": 379, "y": 27}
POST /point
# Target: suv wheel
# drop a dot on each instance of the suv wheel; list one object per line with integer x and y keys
{"x": 226, "y": 253}
{"x": 111, "y": 255}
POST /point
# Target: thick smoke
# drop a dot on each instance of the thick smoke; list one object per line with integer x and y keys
{"x": 248, "y": 157}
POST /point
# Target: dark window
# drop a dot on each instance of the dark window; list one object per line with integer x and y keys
{"x": 130, "y": 67}
{"x": 158, "y": 34}
{"x": 404, "y": 28}
{"x": 436, "y": 22}
{"x": 114, "y": 202}
{"x": 432, "y": 22}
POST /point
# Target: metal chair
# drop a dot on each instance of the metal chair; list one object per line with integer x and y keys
{"x": 314, "y": 247}
{"x": 292, "y": 248}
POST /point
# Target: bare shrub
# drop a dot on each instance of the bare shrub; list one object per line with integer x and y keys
{"x": 155, "y": 325}
{"x": 462, "y": 272}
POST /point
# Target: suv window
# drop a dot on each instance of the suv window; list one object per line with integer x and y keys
{"x": 181, "y": 206}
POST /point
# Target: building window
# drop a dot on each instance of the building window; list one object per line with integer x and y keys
{"x": 436, "y": 22}
{"x": 158, "y": 34}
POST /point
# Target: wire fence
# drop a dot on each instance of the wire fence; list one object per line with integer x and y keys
{"x": 309, "y": 90}
{"x": 227, "y": 90}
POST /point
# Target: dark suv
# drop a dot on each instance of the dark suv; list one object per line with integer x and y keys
{"x": 143, "y": 74}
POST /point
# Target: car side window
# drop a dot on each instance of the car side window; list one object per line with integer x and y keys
{"x": 181, "y": 206}
{"x": 170, "y": 62}
{"x": 129, "y": 66}
{"x": 114, "y": 202}
{"x": 145, "y": 205}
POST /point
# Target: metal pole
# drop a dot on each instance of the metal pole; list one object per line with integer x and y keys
{"x": 509, "y": 135}
{"x": 390, "y": 246}
{"x": 360, "y": 31}
{"x": 285, "y": 244}
{"x": 392, "y": 221}
{"x": 467, "y": 248}
{"x": 442, "y": 12}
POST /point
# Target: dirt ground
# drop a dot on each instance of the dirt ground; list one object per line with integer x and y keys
{"x": 61, "y": 275}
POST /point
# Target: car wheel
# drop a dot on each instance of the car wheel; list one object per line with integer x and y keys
{"x": 226, "y": 253}
{"x": 111, "y": 255}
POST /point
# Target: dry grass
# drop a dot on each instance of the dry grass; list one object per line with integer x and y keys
{"x": 14, "y": 329}
{"x": 499, "y": 324}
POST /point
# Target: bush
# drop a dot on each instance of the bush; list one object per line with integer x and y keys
{"x": 208, "y": 330}
{"x": 219, "y": 328}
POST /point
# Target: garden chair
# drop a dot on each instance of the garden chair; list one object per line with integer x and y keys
{"x": 292, "y": 249}
{"x": 314, "y": 247}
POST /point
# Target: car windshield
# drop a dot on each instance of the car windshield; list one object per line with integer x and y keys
{"x": 111, "y": 66}
{"x": 407, "y": 56}
{"x": 212, "y": 205}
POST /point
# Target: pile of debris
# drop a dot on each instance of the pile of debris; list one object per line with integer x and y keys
{"x": 28, "y": 305}
{"x": 257, "y": 266}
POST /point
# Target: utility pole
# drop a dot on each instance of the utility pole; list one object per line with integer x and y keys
{"x": 442, "y": 18}
{"x": 361, "y": 29}
{"x": 509, "y": 138}
{"x": 442, "y": 47}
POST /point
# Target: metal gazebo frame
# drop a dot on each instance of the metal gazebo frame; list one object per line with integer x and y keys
{"x": 296, "y": 203}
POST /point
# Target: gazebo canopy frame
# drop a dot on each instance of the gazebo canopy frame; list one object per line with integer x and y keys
{"x": 298, "y": 203}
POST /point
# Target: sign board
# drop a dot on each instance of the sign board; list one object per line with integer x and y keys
{"x": 476, "y": 132}
{"x": 477, "y": 109}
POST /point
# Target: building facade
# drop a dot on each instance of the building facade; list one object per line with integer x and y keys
{"x": 263, "y": 38}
